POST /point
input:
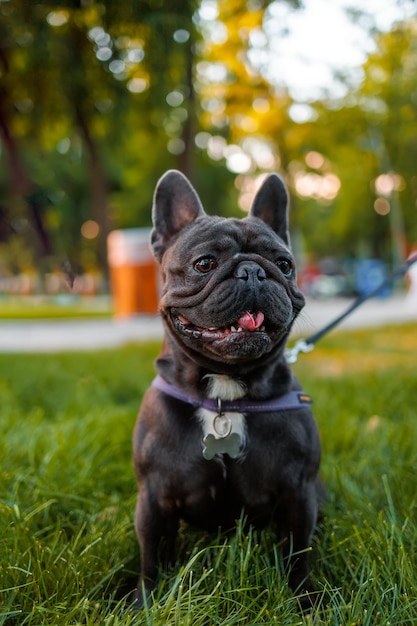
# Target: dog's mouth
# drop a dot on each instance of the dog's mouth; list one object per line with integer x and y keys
{"x": 249, "y": 323}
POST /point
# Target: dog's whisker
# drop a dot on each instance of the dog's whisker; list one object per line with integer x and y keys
{"x": 302, "y": 324}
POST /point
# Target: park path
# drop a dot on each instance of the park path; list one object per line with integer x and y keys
{"x": 91, "y": 334}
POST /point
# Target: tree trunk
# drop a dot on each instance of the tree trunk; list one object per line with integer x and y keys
{"x": 22, "y": 187}
{"x": 99, "y": 195}
{"x": 186, "y": 158}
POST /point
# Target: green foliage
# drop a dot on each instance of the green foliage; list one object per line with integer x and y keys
{"x": 67, "y": 495}
{"x": 98, "y": 99}
{"x": 370, "y": 132}
{"x": 93, "y": 148}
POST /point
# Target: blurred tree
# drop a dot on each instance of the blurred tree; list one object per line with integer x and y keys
{"x": 371, "y": 138}
{"x": 16, "y": 103}
{"x": 90, "y": 81}
{"x": 332, "y": 160}
{"x": 98, "y": 98}
{"x": 388, "y": 96}
{"x": 234, "y": 95}
{"x": 48, "y": 89}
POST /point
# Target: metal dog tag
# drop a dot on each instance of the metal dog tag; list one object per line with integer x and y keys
{"x": 229, "y": 445}
{"x": 224, "y": 440}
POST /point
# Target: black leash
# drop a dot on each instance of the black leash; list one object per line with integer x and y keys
{"x": 307, "y": 345}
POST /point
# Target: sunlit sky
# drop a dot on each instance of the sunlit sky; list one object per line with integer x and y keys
{"x": 321, "y": 39}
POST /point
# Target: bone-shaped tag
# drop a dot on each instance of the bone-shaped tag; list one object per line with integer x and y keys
{"x": 225, "y": 445}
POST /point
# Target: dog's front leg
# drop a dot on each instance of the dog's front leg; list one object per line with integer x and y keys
{"x": 297, "y": 523}
{"x": 155, "y": 526}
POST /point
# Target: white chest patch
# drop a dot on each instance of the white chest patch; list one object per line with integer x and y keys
{"x": 223, "y": 433}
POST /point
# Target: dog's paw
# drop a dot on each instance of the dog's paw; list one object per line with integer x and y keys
{"x": 140, "y": 598}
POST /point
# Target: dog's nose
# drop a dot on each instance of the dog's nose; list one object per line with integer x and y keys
{"x": 250, "y": 271}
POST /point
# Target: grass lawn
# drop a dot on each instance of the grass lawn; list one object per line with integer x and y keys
{"x": 54, "y": 307}
{"x": 67, "y": 495}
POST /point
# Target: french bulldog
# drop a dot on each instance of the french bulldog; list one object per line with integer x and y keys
{"x": 225, "y": 427}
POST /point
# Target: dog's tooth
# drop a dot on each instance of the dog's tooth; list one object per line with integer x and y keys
{"x": 240, "y": 329}
{"x": 262, "y": 329}
{"x": 233, "y": 329}
{"x": 214, "y": 328}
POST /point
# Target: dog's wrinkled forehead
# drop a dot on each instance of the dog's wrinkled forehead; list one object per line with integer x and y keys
{"x": 223, "y": 238}
{"x": 177, "y": 211}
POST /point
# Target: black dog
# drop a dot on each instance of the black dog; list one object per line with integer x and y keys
{"x": 225, "y": 426}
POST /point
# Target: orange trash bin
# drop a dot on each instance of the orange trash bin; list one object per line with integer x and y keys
{"x": 133, "y": 272}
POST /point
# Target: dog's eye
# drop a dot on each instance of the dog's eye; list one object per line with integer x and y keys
{"x": 205, "y": 264}
{"x": 286, "y": 266}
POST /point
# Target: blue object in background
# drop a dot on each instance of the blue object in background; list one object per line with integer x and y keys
{"x": 369, "y": 274}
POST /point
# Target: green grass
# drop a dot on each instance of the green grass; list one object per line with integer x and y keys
{"x": 54, "y": 307}
{"x": 67, "y": 494}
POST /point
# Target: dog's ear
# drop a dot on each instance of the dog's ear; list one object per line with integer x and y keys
{"x": 271, "y": 206}
{"x": 175, "y": 205}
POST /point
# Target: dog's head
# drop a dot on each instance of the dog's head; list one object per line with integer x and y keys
{"x": 229, "y": 289}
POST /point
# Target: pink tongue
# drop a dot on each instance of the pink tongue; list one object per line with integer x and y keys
{"x": 250, "y": 322}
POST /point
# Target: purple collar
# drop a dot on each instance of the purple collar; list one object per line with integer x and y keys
{"x": 290, "y": 401}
